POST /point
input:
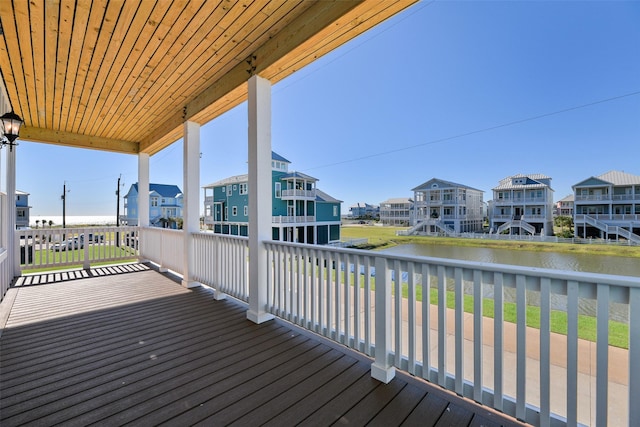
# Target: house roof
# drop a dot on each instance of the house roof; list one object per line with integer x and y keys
{"x": 236, "y": 179}
{"x": 535, "y": 180}
{"x": 278, "y": 157}
{"x": 442, "y": 183}
{"x": 569, "y": 198}
{"x": 321, "y": 196}
{"x": 398, "y": 200}
{"x": 124, "y": 76}
{"x": 620, "y": 178}
{"x": 300, "y": 175}
{"x": 164, "y": 190}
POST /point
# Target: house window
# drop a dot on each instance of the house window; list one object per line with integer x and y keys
{"x": 278, "y": 190}
{"x": 229, "y": 191}
{"x": 224, "y": 189}
{"x": 235, "y": 187}
{"x": 246, "y": 211}
{"x": 335, "y": 211}
{"x": 154, "y": 201}
{"x": 243, "y": 188}
{"x": 234, "y": 211}
{"x": 226, "y": 213}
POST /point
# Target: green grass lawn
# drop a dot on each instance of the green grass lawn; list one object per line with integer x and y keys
{"x": 76, "y": 256}
{"x": 382, "y": 237}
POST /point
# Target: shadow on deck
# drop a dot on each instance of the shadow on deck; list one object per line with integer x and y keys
{"x": 139, "y": 348}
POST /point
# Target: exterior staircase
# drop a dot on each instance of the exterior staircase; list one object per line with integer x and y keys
{"x": 447, "y": 230}
{"x": 612, "y": 229}
{"x": 517, "y": 223}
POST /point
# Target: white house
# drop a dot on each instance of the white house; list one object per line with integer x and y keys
{"x": 523, "y": 204}
{"x": 396, "y": 211}
{"x": 608, "y": 205}
{"x": 447, "y": 207}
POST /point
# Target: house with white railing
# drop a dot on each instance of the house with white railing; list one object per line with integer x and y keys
{"x": 165, "y": 205}
{"x": 445, "y": 207}
{"x": 364, "y": 210}
{"x": 565, "y": 206}
{"x": 522, "y": 204}
{"x": 608, "y": 206}
{"x": 301, "y": 211}
{"x": 161, "y": 75}
{"x": 396, "y": 211}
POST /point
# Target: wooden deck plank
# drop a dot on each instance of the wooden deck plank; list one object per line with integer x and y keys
{"x": 134, "y": 346}
{"x": 400, "y": 407}
{"x": 455, "y": 415}
{"x": 312, "y": 402}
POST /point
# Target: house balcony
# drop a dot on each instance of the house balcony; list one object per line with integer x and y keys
{"x": 293, "y": 219}
{"x": 593, "y": 198}
{"x": 100, "y": 346}
{"x": 298, "y": 194}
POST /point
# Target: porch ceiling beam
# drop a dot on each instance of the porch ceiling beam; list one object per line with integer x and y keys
{"x": 297, "y": 42}
{"x": 69, "y": 139}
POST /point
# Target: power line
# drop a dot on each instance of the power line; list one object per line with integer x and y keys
{"x": 474, "y": 132}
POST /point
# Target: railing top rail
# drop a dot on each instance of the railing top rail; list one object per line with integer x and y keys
{"x": 588, "y": 277}
{"x": 212, "y": 235}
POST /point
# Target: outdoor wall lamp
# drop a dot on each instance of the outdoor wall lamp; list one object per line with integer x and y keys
{"x": 11, "y": 123}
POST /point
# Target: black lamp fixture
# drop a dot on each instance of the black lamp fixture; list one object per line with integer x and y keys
{"x": 11, "y": 123}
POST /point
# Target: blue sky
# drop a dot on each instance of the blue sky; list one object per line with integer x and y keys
{"x": 470, "y": 92}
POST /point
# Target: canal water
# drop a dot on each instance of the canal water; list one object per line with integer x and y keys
{"x": 625, "y": 266}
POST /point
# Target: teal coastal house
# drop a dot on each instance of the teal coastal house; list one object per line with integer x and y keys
{"x": 301, "y": 212}
{"x": 165, "y": 205}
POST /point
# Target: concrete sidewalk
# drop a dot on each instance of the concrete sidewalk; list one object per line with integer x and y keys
{"x": 618, "y": 365}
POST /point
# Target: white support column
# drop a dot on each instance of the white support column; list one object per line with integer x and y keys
{"x": 143, "y": 202}
{"x": 143, "y": 188}
{"x": 260, "y": 187}
{"x": 191, "y": 219}
{"x": 381, "y": 369}
{"x": 12, "y": 245}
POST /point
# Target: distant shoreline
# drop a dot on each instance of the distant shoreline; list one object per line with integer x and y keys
{"x": 72, "y": 220}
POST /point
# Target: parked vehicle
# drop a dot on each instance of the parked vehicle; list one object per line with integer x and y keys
{"x": 93, "y": 238}
{"x": 68, "y": 245}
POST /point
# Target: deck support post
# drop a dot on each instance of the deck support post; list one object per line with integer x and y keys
{"x": 260, "y": 189}
{"x": 191, "y": 198}
{"x": 381, "y": 369}
{"x": 13, "y": 259}
{"x": 143, "y": 202}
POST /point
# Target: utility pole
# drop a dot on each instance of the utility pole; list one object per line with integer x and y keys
{"x": 64, "y": 204}
{"x": 118, "y": 212}
{"x": 118, "y": 203}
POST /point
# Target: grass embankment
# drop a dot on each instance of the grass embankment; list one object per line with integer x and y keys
{"x": 384, "y": 237}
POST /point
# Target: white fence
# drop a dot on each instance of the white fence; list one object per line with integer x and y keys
{"x": 222, "y": 262}
{"x": 66, "y": 247}
{"x": 352, "y": 297}
{"x": 163, "y": 246}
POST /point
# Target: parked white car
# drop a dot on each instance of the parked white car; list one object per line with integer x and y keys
{"x": 68, "y": 245}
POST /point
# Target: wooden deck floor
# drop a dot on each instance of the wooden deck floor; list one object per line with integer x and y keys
{"x": 140, "y": 349}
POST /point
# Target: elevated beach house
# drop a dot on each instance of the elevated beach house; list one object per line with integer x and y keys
{"x": 445, "y": 207}
{"x": 523, "y": 204}
{"x": 396, "y": 211}
{"x": 208, "y": 328}
{"x": 608, "y": 206}
{"x": 301, "y": 212}
{"x": 165, "y": 203}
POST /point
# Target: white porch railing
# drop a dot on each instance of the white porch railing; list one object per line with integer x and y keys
{"x": 163, "y": 246}
{"x": 292, "y": 219}
{"x": 65, "y": 247}
{"x": 351, "y": 296}
{"x": 222, "y": 262}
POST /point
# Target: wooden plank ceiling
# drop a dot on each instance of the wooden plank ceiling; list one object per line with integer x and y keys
{"x": 123, "y": 75}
